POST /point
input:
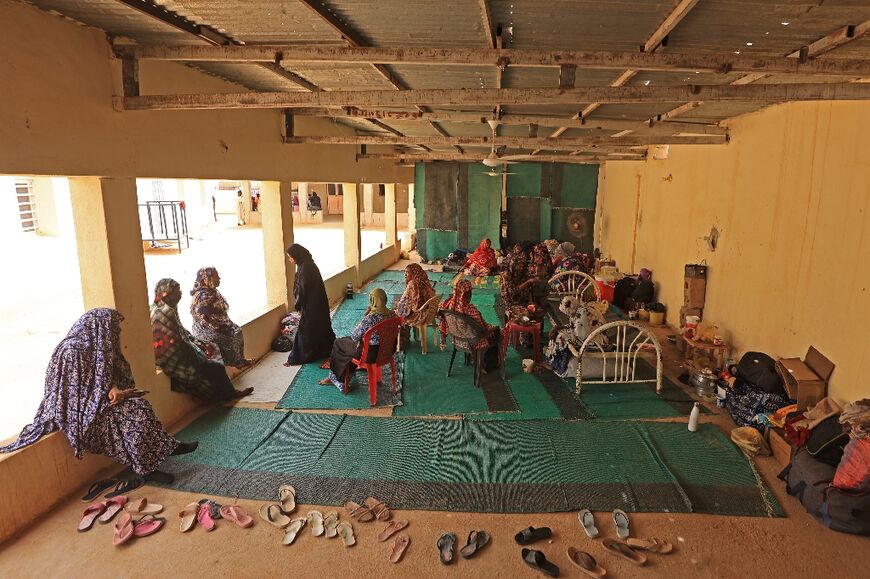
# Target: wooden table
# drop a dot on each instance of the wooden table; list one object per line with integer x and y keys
{"x": 718, "y": 352}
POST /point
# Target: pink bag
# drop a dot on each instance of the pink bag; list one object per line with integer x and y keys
{"x": 854, "y": 469}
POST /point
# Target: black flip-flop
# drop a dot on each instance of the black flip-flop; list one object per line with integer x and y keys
{"x": 125, "y": 486}
{"x": 99, "y": 488}
{"x": 531, "y": 534}
{"x": 445, "y": 547}
{"x": 537, "y": 560}
{"x": 477, "y": 540}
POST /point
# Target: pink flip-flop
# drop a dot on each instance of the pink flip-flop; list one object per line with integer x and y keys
{"x": 147, "y": 525}
{"x": 203, "y": 516}
{"x": 92, "y": 511}
{"x": 113, "y": 507}
{"x": 238, "y": 515}
{"x": 123, "y": 529}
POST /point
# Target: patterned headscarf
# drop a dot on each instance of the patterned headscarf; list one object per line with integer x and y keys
{"x": 484, "y": 256}
{"x": 167, "y": 291}
{"x": 378, "y": 302}
{"x": 645, "y": 274}
{"x": 206, "y": 277}
{"x": 539, "y": 257}
{"x": 461, "y": 298}
{"x": 82, "y": 370}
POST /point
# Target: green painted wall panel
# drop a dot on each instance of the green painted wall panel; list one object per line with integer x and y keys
{"x": 526, "y": 180}
{"x": 484, "y": 206}
{"x": 439, "y": 244}
{"x": 579, "y": 186}
{"x": 546, "y": 219}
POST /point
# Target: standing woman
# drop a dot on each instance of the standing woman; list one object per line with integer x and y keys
{"x": 344, "y": 350}
{"x": 240, "y": 208}
{"x": 211, "y": 322}
{"x": 90, "y": 397}
{"x": 193, "y": 366}
{"x": 418, "y": 291}
{"x": 314, "y": 338}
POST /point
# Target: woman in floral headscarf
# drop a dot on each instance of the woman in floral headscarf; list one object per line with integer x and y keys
{"x": 193, "y": 366}
{"x": 515, "y": 282}
{"x": 211, "y": 322}
{"x": 540, "y": 263}
{"x": 345, "y": 350}
{"x": 460, "y": 302}
{"x": 418, "y": 291}
{"x": 482, "y": 261}
{"x": 90, "y": 397}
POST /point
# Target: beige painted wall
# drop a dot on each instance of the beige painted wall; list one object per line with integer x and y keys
{"x": 59, "y": 118}
{"x": 790, "y": 196}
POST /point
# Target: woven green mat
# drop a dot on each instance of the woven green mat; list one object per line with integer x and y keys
{"x": 462, "y": 465}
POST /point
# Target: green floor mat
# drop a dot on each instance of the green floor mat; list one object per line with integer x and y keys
{"x": 461, "y": 465}
{"x": 305, "y": 393}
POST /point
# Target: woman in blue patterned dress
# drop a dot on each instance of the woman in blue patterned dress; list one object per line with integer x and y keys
{"x": 90, "y": 397}
{"x": 344, "y": 350}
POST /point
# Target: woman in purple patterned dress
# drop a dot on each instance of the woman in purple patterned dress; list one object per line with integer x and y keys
{"x": 89, "y": 396}
{"x": 211, "y": 323}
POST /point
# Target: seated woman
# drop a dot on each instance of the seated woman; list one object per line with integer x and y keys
{"x": 460, "y": 302}
{"x": 193, "y": 366}
{"x": 210, "y": 320}
{"x": 574, "y": 261}
{"x": 90, "y": 397}
{"x": 344, "y": 350}
{"x": 540, "y": 258}
{"x": 483, "y": 261}
{"x": 515, "y": 281}
{"x": 418, "y": 291}
{"x": 314, "y": 337}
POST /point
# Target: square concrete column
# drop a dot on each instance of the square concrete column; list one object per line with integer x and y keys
{"x": 350, "y": 206}
{"x": 112, "y": 262}
{"x": 276, "y": 207}
{"x": 390, "y": 224}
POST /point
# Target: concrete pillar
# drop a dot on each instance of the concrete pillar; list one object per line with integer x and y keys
{"x": 112, "y": 262}
{"x": 276, "y": 207}
{"x": 352, "y": 242}
{"x": 412, "y": 210}
{"x": 368, "y": 208}
{"x": 390, "y": 225}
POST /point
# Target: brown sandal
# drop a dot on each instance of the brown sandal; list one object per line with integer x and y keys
{"x": 378, "y": 508}
{"x": 654, "y": 545}
{"x": 621, "y": 549}
{"x": 391, "y": 529}
{"x": 586, "y": 562}
{"x": 359, "y": 512}
{"x": 399, "y": 545}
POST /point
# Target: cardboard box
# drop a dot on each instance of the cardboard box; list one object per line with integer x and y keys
{"x": 694, "y": 292}
{"x": 779, "y": 447}
{"x": 806, "y": 381}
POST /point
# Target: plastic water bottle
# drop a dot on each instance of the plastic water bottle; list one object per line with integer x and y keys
{"x": 693, "y": 417}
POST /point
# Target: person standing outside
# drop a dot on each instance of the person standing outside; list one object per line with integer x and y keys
{"x": 240, "y": 208}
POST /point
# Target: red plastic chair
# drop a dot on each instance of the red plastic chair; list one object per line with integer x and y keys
{"x": 388, "y": 331}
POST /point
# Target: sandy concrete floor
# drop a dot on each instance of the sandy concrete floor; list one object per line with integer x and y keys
{"x": 705, "y": 545}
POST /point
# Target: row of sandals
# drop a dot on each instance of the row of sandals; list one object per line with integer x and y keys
{"x": 205, "y": 512}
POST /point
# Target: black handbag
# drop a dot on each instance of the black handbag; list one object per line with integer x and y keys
{"x": 827, "y": 441}
{"x": 282, "y": 344}
{"x": 759, "y": 369}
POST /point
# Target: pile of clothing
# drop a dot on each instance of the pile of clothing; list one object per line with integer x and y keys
{"x": 830, "y": 467}
{"x": 757, "y": 390}
{"x": 289, "y": 326}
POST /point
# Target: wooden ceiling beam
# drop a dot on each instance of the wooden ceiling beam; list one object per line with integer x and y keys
{"x": 670, "y": 22}
{"x": 472, "y": 158}
{"x": 501, "y": 141}
{"x": 505, "y": 57}
{"x": 508, "y": 96}
{"x": 666, "y": 128}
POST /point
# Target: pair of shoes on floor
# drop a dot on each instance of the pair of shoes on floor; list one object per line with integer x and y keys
{"x": 532, "y": 557}
{"x": 102, "y": 511}
{"x": 369, "y": 510}
{"x": 400, "y": 543}
{"x": 477, "y": 540}
{"x": 118, "y": 487}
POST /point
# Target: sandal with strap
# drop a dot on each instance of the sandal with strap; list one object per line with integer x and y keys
{"x": 653, "y": 545}
{"x": 113, "y": 507}
{"x": 125, "y": 486}
{"x": 330, "y": 525}
{"x": 359, "y": 512}
{"x": 287, "y": 498}
{"x": 98, "y": 488}
{"x": 89, "y": 516}
{"x": 531, "y": 534}
{"x": 621, "y": 549}
{"x": 399, "y": 545}
{"x": 537, "y": 560}
{"x": 445, "y": 548}
{"x": 586, "y": 563}
{"x": 391, "y": 529}
{"x": 477, "y": 540}
{"x": 378, "y": 508}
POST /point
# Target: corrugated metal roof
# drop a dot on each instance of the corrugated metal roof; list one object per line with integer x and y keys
{"x": 712, "y": 26}
{"x": 772, "y": 28}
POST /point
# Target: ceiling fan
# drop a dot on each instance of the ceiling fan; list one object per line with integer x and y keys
{"x": 494, "y": 173}
{"x": 494, "y": 160}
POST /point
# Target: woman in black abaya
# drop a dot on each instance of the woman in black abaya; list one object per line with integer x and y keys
{"x": 314, "y": 337}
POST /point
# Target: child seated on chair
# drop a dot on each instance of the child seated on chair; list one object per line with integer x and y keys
{"x": 346, "y": 349}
